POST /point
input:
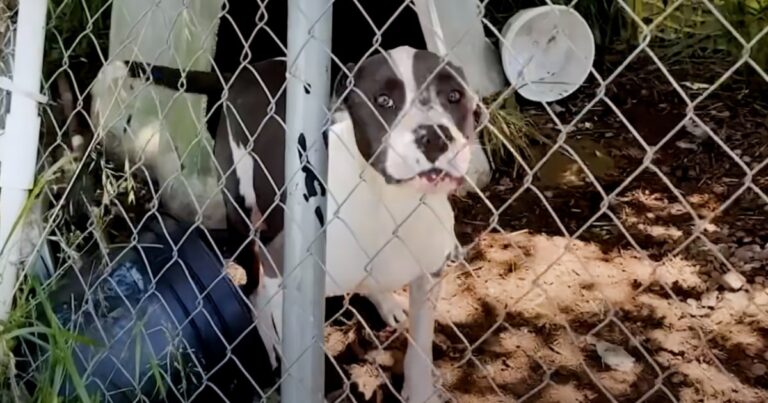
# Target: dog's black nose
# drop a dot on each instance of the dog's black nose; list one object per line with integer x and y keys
{"x": 433, "y": 141}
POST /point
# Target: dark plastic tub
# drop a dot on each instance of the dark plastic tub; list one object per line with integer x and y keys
{"x": 162, "y": 323}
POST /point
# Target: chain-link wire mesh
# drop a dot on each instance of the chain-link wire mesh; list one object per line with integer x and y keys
{"x": 617, "y": 253}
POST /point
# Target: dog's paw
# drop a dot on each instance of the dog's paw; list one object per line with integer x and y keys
{"x": 392, "y": 308}
{"x": 457, "y": 254}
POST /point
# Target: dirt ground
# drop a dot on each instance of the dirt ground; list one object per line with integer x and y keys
{"x": 566, "y": 298}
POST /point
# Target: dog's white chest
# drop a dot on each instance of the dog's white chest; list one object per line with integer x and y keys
{"x": 379, "y": 237}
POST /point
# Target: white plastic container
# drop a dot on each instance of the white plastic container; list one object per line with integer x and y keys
{"x": 547, "y": 52}
{"x": 174, "y": 33}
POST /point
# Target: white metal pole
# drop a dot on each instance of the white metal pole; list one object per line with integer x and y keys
{"x": 307, "y": 98}
{"x": 454, "y": 28}
{"x": 22, "y": 130}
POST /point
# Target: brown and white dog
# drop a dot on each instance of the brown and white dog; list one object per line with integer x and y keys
{"x": 399, "y": 146}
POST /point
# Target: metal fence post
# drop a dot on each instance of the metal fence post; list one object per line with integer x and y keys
{"x": 20, "y": 140}
{"x": 308, "y": 94}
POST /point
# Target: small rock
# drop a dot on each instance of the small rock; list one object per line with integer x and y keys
{"x": 760, "y": 280}
{"x": 746, "y": 159}
{"x": 711, "y": 228}
{"x": 732, "y": 280}
{"x": 698, "y": 311}
{"x": 748, "y": 267}
{"x": 765, "y": 355}
{"x": 676, "y": 378}
{"x": 760, "y": 298}
{"x": 677, "y": 209}
{"x": 709, "y": 299}
{"x": 686, "y": 145}
{"x": 746, "y": 253}
{"x": 614, "y": 356}
{"x": 693, "y": 128}
{"x": 762, "y": 255}
{"x": 758, "y": 369}
{"x": 692, "y": 302}
{"x": 738, "y": 301}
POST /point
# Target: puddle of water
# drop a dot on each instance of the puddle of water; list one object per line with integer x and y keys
{"x": 562, "y": 170}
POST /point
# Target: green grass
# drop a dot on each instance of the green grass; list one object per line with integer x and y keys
{"x": 692, "y": 30}
{"x": 508, "y": 132}
{"x": 32, "y": 321}
{"x": 77, "y": 37}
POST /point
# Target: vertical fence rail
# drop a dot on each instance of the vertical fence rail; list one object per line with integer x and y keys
{"x": 308, "y": 93}
{"x": 20, "y": 140}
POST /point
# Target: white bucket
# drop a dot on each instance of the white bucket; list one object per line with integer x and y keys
{"x": 547, "y": 52}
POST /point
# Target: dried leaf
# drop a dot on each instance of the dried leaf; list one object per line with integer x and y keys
{"x": 366, "y": 378}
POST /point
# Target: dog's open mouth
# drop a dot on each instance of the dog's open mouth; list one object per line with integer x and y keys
{"x": 437, "y": 175}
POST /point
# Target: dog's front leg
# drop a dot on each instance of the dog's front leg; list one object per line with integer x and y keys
{"x": 419, "y": 384}
{"x": 267, "y": 302}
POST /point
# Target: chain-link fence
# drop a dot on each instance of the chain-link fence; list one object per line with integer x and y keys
{"x": 209, "y": 171}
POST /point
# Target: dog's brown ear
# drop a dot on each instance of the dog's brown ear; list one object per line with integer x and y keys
{"x": 341, "y": 85}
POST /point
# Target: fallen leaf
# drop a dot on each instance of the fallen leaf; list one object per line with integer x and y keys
{"x": 366, "y": 378}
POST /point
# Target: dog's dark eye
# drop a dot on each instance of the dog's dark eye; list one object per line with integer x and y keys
{"x": 454, "y": 96}
{"x": 384, "y": 101}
